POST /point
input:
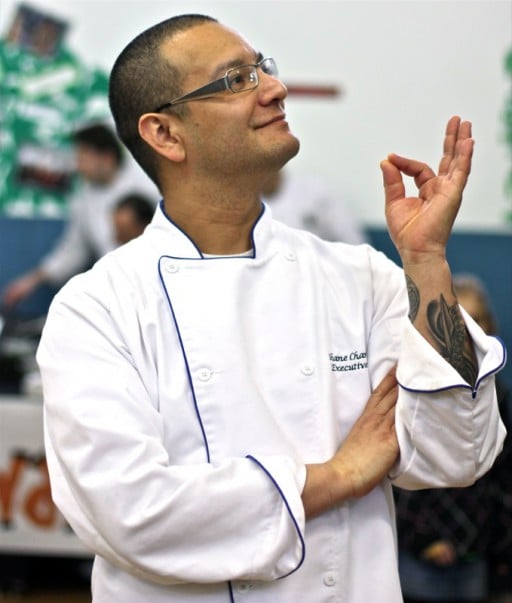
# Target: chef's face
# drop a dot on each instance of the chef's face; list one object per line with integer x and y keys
{"x": 227, "y": 131}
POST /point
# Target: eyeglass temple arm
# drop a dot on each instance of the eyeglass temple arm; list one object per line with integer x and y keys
{"x": 216, "y": 86}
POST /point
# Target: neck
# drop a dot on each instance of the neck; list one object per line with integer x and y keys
{"x": 218, "y": 212}
{"x": 217, "y": 226}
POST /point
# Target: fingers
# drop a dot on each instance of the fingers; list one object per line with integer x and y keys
{"x": 385, "y": 395}
{"x": 393, "y": 183}
{"x": 385, "y": 405}
{"x": 388, "y": 382}
{"x": 420, "y": 171}
{"x": 455, "y": 163}
{"x": 458, "y": 152}
{"x": 461, "y": 165}
{"x": 457, "y": 132}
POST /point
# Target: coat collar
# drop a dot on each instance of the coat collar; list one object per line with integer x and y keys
{"x": 172, "y": 240}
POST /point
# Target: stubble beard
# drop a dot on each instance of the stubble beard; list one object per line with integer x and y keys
{"x": 281, "y": 154}
{"x": 247, "y": 164}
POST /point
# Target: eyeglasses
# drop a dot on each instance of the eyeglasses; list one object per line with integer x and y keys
{"x": 237, "y": 79}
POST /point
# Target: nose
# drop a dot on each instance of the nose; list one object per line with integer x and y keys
{"x": 271, "y": 88}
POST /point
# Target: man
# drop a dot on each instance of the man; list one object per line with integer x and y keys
{"x": 104, "y": 178}
{"x": 132, "y": 213}
{"x": 223, "y": 420}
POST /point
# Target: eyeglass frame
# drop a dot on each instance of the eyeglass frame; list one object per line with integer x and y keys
{"x": 219, "y": 85}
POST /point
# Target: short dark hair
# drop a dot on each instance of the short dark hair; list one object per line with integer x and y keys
{"x": 142, "y": 79}
{"x": 141, "y": 206}
{"x": 100, "y": 138}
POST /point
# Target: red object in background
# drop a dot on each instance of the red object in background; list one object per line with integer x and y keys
{"x": 313, "y": 90}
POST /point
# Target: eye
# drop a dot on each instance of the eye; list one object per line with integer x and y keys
{"x": 237, "y": 78}
{"x": 242, "y": 78}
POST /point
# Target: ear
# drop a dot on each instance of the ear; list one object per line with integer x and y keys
{"x": 162, "y": 132}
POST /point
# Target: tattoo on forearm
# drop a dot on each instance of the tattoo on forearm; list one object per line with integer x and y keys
{"x": 414, "y": 298}
{"x": 449, "y": 331}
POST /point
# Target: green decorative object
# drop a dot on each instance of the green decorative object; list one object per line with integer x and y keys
{"x": 46, "y": 92}
{"x": 508, "y": 129}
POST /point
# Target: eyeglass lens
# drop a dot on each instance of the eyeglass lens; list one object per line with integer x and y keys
{"x": 246, "y": 76}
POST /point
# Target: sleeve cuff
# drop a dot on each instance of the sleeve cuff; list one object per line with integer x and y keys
{"x": 294, "y": 510}
{"x": 422, "y": 368}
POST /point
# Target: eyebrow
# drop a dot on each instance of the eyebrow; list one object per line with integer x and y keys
{"x": 223, "y": 67}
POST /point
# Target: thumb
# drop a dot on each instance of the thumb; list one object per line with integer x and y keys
{"x": 393, "y": 182}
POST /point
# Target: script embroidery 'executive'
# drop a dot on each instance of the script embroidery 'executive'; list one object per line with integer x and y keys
{"x": 352, "y": 361}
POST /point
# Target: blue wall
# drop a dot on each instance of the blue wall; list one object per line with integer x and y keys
{"x": 22, "y": 243}
{"x": 489, "y": 256}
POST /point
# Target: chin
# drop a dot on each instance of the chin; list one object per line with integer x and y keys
{"x": 289, "y": 150}
{"x": 292, "y": 150}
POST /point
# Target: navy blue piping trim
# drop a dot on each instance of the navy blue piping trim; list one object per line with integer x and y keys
{"x": 495, "y": 370}
{"x": 249, "y": 456}
{"x": 196, "y": 406}
{"x": 180, "y": 229}
{"x": 201, "y": 256}
{"x": 252, "y": 230}
{"x": 464, "y": 385}
{"x": 231, "y": 595}
{"x": 205, "y": 440}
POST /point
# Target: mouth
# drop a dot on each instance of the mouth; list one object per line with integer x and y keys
{"x": 281, "y": 118}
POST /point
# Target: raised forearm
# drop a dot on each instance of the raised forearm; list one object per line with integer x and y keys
{"x": 435, "y": 313}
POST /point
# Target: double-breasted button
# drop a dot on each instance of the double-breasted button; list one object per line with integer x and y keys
{"x": 329, "y": 579}
{"x": 307, "y": 369}
{"x": 205, "y": 374}
{"x": 290, "y": 255}
{"x": 243, "y": 587}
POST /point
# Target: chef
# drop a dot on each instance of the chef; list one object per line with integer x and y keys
{"x": 228, "y": 399}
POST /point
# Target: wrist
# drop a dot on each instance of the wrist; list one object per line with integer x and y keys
{"x": 418, "y": 263}
{"x": 430, "y": 278}
{"x": 326, "y": 487}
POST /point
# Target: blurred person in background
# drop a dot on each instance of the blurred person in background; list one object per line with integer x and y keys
{"x": 455, "y": 544}
{"x": 104, "y": 177}
{"x": 474, "y": 298}
{"x": 305, "y": 202}
{"x": 443, "y": 538}
{"x": 132, "y": 213}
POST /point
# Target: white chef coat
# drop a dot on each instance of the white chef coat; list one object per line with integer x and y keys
{"x": 184, "y": 396}
{"x": 89, "y": 231}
